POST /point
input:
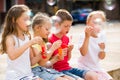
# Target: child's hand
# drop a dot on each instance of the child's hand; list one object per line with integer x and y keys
{"x": 101, "y": 54}
{"x": 70, "y": 47}
{"x": 102, "y": 46}
{"x": 55, "y": 59}
{"x": 37, "y": 40}
{"x": 64, "y": 52}
{"x": 56, "y": 44}
{"x": 88, "y": 31}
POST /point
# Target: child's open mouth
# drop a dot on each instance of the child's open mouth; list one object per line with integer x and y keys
{"x": 67, "y": 32}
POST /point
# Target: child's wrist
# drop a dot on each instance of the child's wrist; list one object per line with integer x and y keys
{"x": 52, "y": 49}
{"x": 102, "y": 50}
{"x": 30, "y": 43}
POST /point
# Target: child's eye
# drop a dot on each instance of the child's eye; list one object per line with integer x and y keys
{"x": 47, "y": 29}
{"x": 66, "y": 26}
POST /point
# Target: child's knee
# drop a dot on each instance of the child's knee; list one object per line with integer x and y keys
{"x": 90, "y": 75}
{"x": 69, "y": 77}
{"x": 80, "y": 79}
{"x": 61, "y": 78}
{"x": 39, "y": 79}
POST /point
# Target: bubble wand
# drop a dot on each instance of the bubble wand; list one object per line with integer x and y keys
{"x": 60, "y": 51}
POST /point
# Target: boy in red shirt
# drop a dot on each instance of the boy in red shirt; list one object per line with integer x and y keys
{"x": 61, "y": 64}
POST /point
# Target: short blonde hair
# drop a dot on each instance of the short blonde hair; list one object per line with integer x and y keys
{"x": 94, "y": 13}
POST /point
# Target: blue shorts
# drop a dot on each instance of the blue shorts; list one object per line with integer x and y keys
{"x": 75, "y": 73}
{"x": 29, "y": 78}
{"x": 46, "y": 74}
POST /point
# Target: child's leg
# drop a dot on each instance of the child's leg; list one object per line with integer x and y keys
{"x": 68, "y": 77}
{"x": 80, "y": 79}
{"x": 61, "y": 78}
{"x": 38, "y": 79}
{"x": 90, "y": 75}
{"x": 71, "y": 78}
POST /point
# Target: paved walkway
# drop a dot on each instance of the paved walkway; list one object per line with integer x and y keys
{"x": 113, "y": 45}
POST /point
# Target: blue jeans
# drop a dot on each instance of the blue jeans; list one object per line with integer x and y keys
{"x": 75, "y": 73}
{"x": 46, "y": 74}
{"x": 29, "y": 78}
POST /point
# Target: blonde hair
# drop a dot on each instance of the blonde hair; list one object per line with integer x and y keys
{"x": 40, "y": 19}
{"x": 94, "y": 13}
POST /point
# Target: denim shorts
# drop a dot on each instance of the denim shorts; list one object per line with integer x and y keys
{"x": 46, "y": 74}
{"x": 29, "y": 78}
{"x": 75, "y": 73}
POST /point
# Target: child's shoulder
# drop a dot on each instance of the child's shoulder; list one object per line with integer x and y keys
{"x": 10, "y": 38}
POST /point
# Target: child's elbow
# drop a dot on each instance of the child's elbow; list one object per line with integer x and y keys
{"x": 83, "y": 53}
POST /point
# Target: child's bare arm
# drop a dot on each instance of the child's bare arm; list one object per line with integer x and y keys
{"x": 53, "y": 60}
{"x": 12, "y": 51}
{"x": 84, "y": 48}
{"x": 15, "y": 52}
{"x": 70, "y": 48}
{"x": 49, "y": 53}
{"x": 35, "y": 56}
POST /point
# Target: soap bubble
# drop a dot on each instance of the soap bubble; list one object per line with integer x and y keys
{"x": 55, "y": 19}
{"x": 109, "y": 4}
{"x": 51, "y": 2}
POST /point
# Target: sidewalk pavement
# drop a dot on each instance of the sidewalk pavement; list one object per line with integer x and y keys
{"x": 111, "y": 62}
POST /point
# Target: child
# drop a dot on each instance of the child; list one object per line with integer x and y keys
{"x": 41, "y": 25}
{"x": 62, "y": 65}
{"x": 92, "y": 45}
{"x": 16, "y": 43}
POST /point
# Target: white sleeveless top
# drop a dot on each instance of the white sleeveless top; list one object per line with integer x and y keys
{"x": 19, "y": 67}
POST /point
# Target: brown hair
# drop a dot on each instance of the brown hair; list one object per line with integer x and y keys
{"x": 10, "y": 23}
{"x": 64, "y": 15}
